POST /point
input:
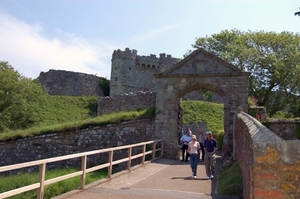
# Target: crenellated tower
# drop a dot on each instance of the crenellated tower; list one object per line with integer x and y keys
{"x": 131, "y": 72}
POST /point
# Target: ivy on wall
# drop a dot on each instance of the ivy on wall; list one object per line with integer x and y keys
{"x": 298, "y": 131}
{"x": 104, "y": 85}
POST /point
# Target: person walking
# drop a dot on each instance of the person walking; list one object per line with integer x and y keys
{"x": 210, "y": 147}
{"x": 182, "y": 132}
{"x": 194, "y": 157}
{"x": 201, "y": 139}
{"x": 185, "y": 140}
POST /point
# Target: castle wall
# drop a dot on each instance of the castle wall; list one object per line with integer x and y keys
{"x": 200, "y": 95}
{"x": 131, "y": 72}
{"x": 60, "y": 82}
{"x": 77, "y": 141}
{"x": 126, "y": 102}
{"x": 285, "y": 128}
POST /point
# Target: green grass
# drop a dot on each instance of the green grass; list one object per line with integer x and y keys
{"x": 103, "y": 120}
{"x": 209, "y": 112}
{"x": 61, "y": 109}
{"x": 15, "y": 181}
{"x": 231, "y": 180}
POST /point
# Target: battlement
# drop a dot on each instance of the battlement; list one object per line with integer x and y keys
{"x": 145, "y": 60}
{"x": 127, "y": 64}
{"x": 124, "y": 54}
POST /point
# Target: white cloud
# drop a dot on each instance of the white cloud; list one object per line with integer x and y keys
{"x": 151, "y": 33}
{"x": 30, "y": 52}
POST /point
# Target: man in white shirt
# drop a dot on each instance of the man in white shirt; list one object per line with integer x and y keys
{"x": 185, "y": 140}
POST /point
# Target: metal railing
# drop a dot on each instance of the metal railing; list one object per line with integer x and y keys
{"x": 42, "y": 166}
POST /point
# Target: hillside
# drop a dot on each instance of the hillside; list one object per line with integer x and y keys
{"x": 61, "y": 109}
{"x": 200, "y": 111}
{"x": 60, "y": 113}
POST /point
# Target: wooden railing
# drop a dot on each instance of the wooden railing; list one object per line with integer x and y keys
{"x": 42, "y": 166}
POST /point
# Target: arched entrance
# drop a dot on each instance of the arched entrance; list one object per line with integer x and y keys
{"x": 199, "y": 70}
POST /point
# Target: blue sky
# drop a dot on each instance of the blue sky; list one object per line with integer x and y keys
{"x": 81, "y": 35}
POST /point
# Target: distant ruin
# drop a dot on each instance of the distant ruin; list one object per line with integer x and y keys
{"x": 68, "y": 83}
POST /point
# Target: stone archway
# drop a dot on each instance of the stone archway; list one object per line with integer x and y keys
{"x": 199, "y": 70}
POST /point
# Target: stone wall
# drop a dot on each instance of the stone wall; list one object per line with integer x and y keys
{"x": 199, "y": 95}
{"x": 126, "y": 102}
{"x": 59, "y": 144}
{"x": 286, "y": 129}
{"x": 60, "y": 82}
{"x": 270, "y": 165}
{"x": 131, "y": 72}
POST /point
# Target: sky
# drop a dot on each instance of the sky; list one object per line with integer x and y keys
{"x": 81, "y": 35}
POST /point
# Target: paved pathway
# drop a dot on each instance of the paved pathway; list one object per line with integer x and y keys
{"x": 162, "y": 179}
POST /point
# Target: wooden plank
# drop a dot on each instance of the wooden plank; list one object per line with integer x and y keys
{"x": 64, "y": 177}
{"x": 97, "y": 167}
{"x": 120, "y": 161}
{"x": 19, "y": 190}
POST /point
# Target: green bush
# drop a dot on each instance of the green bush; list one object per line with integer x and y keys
{"x": 220, "y": 139}
{"x": 105, "y": 85}
{"x": 298, "y": 131}
{"x": 231, "y": 180}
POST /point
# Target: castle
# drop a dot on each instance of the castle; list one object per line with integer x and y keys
{"x": 131, "y": 72}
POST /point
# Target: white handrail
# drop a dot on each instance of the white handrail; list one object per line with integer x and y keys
{"x": 42, "y": 166}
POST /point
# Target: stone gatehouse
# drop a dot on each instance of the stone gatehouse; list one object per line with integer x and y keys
{"x": 172, "y": 79}
{"x": 199, "y": 71}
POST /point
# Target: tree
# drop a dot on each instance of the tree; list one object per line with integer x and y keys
{"x": 19, "y": 99}
{"x": 272, "y": 58}
{"x": 105, "y": 85}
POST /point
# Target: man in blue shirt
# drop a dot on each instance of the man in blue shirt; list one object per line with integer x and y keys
{"x": 210, "y": 147}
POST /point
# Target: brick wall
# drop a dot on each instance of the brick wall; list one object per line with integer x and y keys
{"x": 270, "y": 165}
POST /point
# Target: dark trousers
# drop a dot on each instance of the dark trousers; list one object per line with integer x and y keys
{"x": 202, "y": 151}
{"x": 184, "y": 152}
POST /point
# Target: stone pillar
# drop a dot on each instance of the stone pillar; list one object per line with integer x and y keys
{"x": 166, "y": 120}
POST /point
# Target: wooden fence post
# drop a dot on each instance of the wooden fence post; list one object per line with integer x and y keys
{"x": 42, "y": 171}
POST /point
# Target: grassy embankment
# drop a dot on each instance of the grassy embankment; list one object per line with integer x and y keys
{"x": 61, "y": 114}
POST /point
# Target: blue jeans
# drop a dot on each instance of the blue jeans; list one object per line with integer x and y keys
{"x": 194, "y": 159}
